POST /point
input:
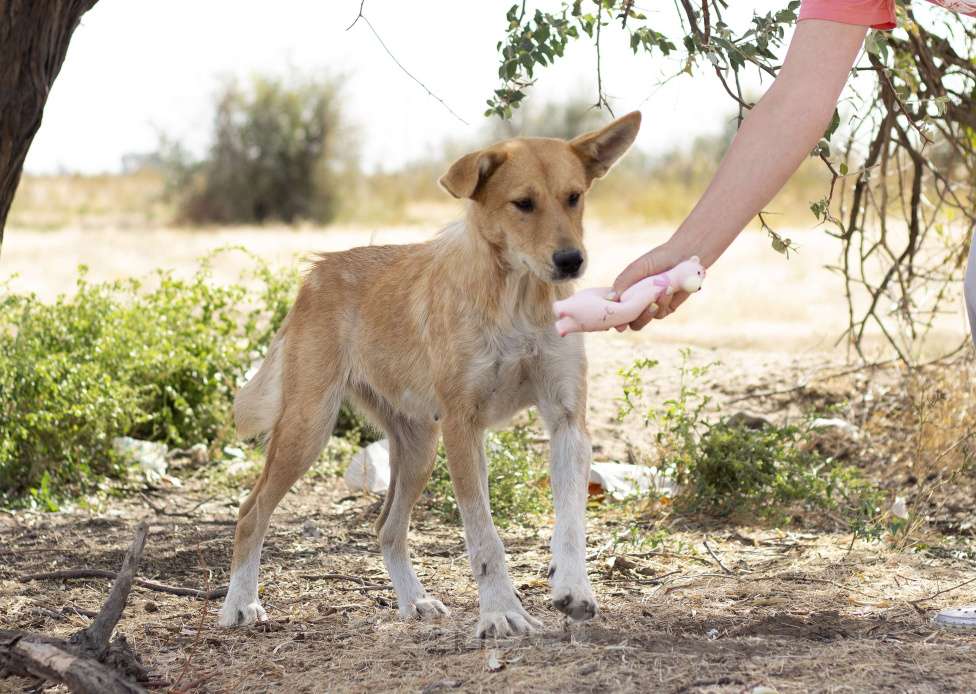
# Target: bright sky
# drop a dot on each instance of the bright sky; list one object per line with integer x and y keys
{"x": 136, "y": 68}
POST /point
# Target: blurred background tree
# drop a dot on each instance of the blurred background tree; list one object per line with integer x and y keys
{"x": 276, "y": 154}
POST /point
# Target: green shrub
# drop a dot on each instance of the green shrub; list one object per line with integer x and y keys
{"x": 353, "y": 426}
{"x": 517, "y": 486}
{"x": 276, "y": 154}
{"x": 742, "y": 467}
{"x": 158, "y": 361}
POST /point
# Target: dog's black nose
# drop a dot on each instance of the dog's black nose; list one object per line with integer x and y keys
{"x": 567, "y": 261}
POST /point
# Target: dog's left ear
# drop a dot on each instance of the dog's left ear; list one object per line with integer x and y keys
{"x": 600, "y": 150}
{"x": 469, "y": 173}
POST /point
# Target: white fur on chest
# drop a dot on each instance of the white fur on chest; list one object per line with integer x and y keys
{"x": 511, "y": 368}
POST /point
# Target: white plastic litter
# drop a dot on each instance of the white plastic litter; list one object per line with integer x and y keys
{"x": 622, "y": 480}
{"x": 149, "y": 456}
{"x": 369, "y": 469}
{"x": 899, "y": 509}
{"x": 234, "y": 453}
{"x": 836, "y": 423}
{"x": 957, "y": 618}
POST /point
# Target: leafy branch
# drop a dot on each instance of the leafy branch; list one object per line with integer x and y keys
{"x": 901, "y": 197}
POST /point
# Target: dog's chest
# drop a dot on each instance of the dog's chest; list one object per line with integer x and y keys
{"x": 505, "y": 372}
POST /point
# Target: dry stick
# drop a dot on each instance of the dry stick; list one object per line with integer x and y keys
{"x": 76, "y": 662}
{"x": 717, "y": 560}
{"x": 175, "y": 514}
{"x": 334, "y": 577}
{"x": 671, "y": 555}
{"x": 601, "y": 99}
{"x": 50, "y": 661}
{"x": 363, "y": 585}
{"x": 141, "y": 582}
{"x": 398, "y": 63}
{"x": 96, "y": 635}
{"x": 914, "y": 603}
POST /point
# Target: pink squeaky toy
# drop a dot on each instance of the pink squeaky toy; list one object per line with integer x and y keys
{"x": 589, "y": 310}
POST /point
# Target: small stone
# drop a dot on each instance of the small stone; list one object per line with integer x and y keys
{"x": 309, "y": 529}
{"x": 199, "y": 454}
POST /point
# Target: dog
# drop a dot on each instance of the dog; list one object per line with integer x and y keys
{"x": 447, "y": 337}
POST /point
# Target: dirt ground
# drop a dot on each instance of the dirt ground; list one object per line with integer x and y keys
{"x": 794, "y": 611}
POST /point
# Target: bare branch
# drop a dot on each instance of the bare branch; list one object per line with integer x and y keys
{"x": 409, "y": 74}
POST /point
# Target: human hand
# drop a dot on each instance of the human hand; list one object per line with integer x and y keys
{"x": 660, "y": 259}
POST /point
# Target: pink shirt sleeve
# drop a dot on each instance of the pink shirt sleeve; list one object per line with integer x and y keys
{"x": 877, "y": 14}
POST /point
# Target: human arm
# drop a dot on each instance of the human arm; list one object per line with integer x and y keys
{"x": 775, "y": 137}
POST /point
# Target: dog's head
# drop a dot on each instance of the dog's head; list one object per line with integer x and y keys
{"x": 528, "y": 195}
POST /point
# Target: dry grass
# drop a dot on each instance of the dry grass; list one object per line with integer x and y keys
{"x": 132, "y": 201}
{"x": 796, "y": 611}
{"x": 411, "y": 196}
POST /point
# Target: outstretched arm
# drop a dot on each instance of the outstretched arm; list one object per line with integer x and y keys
{"x": 775, "y": 137}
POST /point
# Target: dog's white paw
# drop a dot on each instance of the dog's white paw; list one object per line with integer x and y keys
{"x": 572, "y": 594}
{"x": 502, "y": 623}
{"x": 423, "y": 608}
{"x": 576, "y": 602}
{"x": 239, "y": 614}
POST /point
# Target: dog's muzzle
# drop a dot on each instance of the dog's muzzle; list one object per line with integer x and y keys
{"x": 567, "y": 263}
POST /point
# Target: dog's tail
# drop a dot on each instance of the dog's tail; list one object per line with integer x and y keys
{"x": 258, "y": 403}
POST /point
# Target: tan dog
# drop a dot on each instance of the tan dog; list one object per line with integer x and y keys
{"x": 451, "y": 336}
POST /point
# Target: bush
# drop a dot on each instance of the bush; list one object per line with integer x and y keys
{"x": 745, "y": 467}
{"x": 124, "y": 359}
{"x": 276, "y": 154}
{"x": 517, "y": 473}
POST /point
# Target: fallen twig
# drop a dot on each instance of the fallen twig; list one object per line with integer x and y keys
{"x": 717, "y": 560}
{"x": 174, "y": 514}
{"x": 942, "y": 592}
{"x": 78, "y": 661}
{"x": 141, "y": 582}
{"x": 95, "y": 636}
{"x": 670, "y": 555}
{"x": 340, "y": 577}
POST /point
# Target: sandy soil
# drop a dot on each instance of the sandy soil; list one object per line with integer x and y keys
{"x": 795, "y": 611}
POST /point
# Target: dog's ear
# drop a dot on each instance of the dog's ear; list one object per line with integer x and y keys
{"x": 470, "y": 172}
{"x": 600, "y": 150}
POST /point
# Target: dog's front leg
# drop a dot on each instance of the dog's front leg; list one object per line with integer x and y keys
{"x": 569, "y": 471}
{"x": 501, "y": 611}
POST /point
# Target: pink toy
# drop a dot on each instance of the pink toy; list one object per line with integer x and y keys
{"x": 589, "y": 310}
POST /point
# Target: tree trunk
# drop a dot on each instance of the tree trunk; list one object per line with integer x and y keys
{"x": 34, "y": 36}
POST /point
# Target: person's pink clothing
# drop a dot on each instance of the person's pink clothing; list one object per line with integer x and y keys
{"x": 877, "y": 14}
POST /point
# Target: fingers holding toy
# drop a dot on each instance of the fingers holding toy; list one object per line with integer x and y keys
{"x": 653, "y": 262}
{"x": 600, "y": 308}
{"x": 663, "y": 308}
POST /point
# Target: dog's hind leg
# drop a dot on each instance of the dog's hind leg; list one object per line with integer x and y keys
{"x": 413, "y": 447}
{"x": 309, "y": 411}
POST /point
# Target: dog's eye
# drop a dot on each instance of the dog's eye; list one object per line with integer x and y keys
{"x": 573, "y": 199}
{"x": 525, "y": 204}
